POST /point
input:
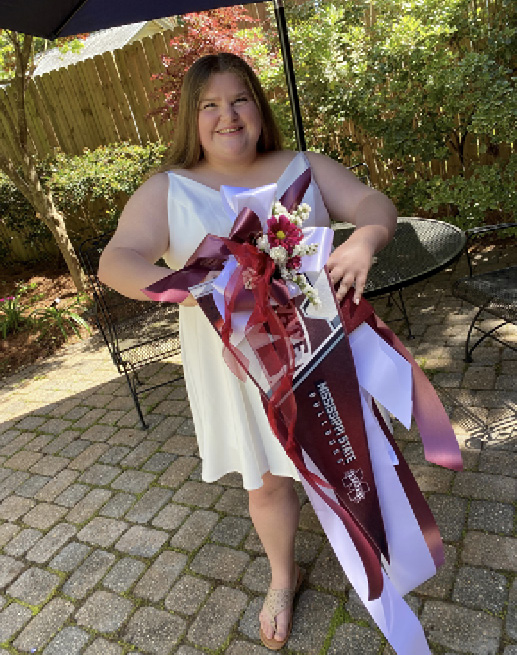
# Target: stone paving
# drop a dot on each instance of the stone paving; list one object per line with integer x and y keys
{"x": 110, "y": 543}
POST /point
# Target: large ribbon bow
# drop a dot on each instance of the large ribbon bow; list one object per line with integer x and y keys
{"x": 260, "y": 200}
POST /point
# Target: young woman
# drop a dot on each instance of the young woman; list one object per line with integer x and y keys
{"x": 226, "y": 135}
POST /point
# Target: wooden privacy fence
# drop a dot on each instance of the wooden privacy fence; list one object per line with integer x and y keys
{"x": 94, "y": 102}
{"x": 107, "y": 99}
{"x": 383, "y": 171}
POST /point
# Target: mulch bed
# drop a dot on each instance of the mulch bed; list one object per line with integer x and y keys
{"x": 24, "y": 347}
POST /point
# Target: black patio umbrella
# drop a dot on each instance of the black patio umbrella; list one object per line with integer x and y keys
{"x": 54, "y": 18}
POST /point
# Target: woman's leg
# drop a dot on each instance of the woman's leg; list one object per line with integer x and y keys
{"x": 275, "y": 512}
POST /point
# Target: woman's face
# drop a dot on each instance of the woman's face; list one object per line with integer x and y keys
{"x": 229, "y": 121}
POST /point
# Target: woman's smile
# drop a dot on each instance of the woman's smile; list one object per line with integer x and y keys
{"x": 229, "y": 130}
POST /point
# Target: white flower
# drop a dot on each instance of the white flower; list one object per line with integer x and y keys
{"x": 263, "y": 243}
{"x": 279, "y": 209}
{"x": 310, "y": 249}
{"x": 304, "y": 210}
{"x": 278, "y": 254}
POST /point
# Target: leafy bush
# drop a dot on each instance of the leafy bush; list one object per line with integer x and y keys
{"x": 94, "y": 186}
{"x": 13, "y": 313}
{"x": 488, "y": 194}
{"x": 55, "y": 321}
{"x": 18, "y": 216}
{"x": 411, "y": 84}
{"x": 58, "y": 320}
{"x": 90, "y": 189}
{"x": 489, "y": 190}
{"x": 315, "y": 34}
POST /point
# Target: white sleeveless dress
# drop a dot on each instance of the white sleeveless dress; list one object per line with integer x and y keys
{"x": 231, "y": 425}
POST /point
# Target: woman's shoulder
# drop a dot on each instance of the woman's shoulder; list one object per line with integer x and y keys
{"x": 156, "y": 179}
{"x": 316, "y": 160}
{"x": 154, "y": 186}
{"x": 327, "y": 169}
{"x": 276, "y": 161}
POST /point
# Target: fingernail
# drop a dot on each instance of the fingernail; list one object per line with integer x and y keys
{"x": 356, "y": 301}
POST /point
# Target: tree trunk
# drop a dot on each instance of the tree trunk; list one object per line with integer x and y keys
{"x": 41, "y": 199}
{"x": 23, "y": 172}
{"x": 55, "y": 221}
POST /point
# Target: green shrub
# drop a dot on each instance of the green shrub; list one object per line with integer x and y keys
{"x": 94, "y": 186}
{"x": 416, "y": 82}
{"x": 489, "y": 194}
{"x": 56, "y": 320}
{"x": 90, "y": 189}
{"x": 14, "y": 312}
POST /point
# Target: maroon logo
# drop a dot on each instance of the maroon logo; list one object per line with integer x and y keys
{"x": 357, "y": 487}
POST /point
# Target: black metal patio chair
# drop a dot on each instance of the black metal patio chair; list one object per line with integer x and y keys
{"x": 136, "y": 332}
{"x": 494, "y": 293}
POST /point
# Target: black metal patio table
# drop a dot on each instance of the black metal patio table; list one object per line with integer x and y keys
{"x": 420, "y": 248}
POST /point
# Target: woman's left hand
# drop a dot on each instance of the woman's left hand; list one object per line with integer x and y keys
{"x": 348, "y": 266}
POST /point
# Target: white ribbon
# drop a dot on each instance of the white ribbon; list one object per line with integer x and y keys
{"x": 260, "y": 200}
{"x": 390, "y": 611}
{"x": 384, "y": 374}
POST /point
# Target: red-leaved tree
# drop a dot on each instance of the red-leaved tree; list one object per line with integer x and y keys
{"x": 209, "y": 32}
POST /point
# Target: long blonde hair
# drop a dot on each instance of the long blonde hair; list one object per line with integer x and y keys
{"x": 185, "y": 150}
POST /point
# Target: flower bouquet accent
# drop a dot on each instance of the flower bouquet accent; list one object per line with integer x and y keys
{"x": 283, "y": 243}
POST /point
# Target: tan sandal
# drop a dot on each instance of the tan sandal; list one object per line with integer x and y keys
{"x": 277, "y": 600}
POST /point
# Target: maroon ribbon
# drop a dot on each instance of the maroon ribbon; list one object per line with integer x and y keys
{"x": 438, "y": 438}
{"x": 421, "y": 509}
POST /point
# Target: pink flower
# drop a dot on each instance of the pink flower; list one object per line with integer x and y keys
{"x": 294, "y": 262}
{"x": 281, "y": 232}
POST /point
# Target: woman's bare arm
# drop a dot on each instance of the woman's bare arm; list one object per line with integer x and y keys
{"x": 349, "y": 200}
{"x": 142, "y": 237}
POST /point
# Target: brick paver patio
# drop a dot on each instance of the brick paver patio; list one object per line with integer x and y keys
{"x": 111, "y": 544}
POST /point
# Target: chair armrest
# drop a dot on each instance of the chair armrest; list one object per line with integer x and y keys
{"x": 483, "y": 229}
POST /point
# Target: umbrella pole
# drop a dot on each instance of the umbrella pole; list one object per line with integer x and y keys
{"x": 289, "y": 73}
